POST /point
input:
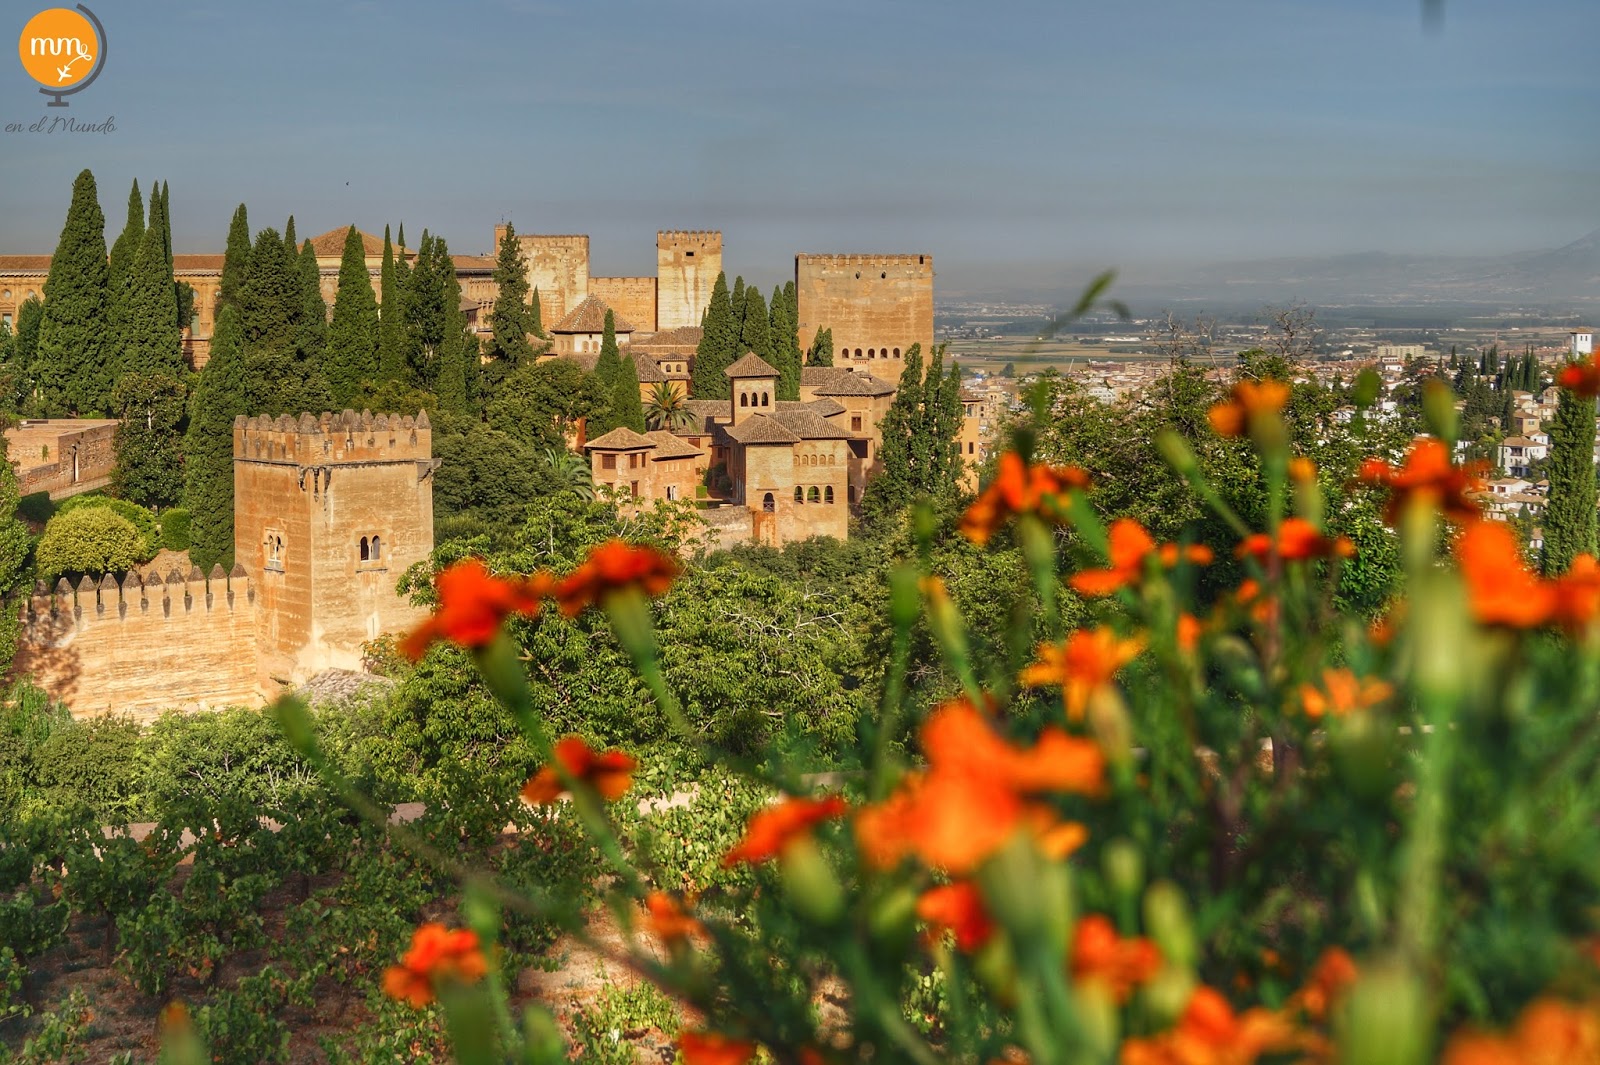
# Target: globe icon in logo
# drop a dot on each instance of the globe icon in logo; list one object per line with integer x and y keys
{"x": 63, "y": 50}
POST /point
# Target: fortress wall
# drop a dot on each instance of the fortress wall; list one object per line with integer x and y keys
{"x": 687, "y": 264}
{"x": 632, "y": 298}
{"x": 873, "y": 302}
{"x": 79, "y": 459}
{"x": 558, "y": 266}
{"x": 143, "y": 647}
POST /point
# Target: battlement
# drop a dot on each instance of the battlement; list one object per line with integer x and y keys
{"x": 328, "y": 438}
{"x": 863, "y": 260}
{"x": 568, "y": 240}
{"x": 138, "y": 597}
{"x": 709, "y": 237}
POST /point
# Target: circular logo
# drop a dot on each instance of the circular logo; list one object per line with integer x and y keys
{"x": 58, "y": 48}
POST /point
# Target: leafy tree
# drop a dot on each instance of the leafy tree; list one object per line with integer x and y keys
{"x": 540, "y": 403}
{"x": 485, "y": 481}
{"x": 351, "y": 363}
{"x": 87, "y": 540}
{"x": 668, "y": 408}
{"x": 1009, "y": 370}
{"x": 570, "y": 471}
{"x": 756, "y": 334}
{"x": 392, "y": 328}
{"x": 1569, "y": 517}
{"x": 14, "y": 544}
{"x": 715, "y": 352}
{"x": 511, "y": 320}
{"x": 783, "y": 327}
{"x": 151, "y": 340}
{"x": 219, "y": 397}
{"x": 71, "y": 367}
{"x": 920, "y": 456}
{"x": 821, "y": 351}
{"x": 235, "y": 261}
{"x": 149, "y": 467}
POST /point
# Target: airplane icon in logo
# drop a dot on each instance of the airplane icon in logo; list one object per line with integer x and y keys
{"x": 63, "y": 73}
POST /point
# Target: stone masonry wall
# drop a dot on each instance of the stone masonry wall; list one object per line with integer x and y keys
{"x": 633, "y": 298}
{"x": 558, "y": 266}
{"x": 687, "y": 264}
{"x": 878, "y": 303}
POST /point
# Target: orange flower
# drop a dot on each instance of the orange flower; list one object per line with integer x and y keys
{"x": 771, "y": 830}
{"x": 1017, "y": 489}
{"x": 1211, "y": 1033}
{"x": 1298, "y": 540}
{"x": 1577, "y": 594}
{"x": 1428, "y": 476}
{"x": 1302, "y": 470}
{"x": 1500, "y": 588}
{"x": 667, "y": 919}
{"x": 1342, "y": 693}
{"x": 957, "y": 908}
{"x": 1188, "y": 633}
{"x": 1246, "y": 400}
{"x": 1084, "y": 663}
{"x": 1129, "y": 545}
{"x": 437, "y": 954}
{"x": 1582, "y": 377}
{"x": 1333, "y": 974}
{"x": 610, "y": 772}
{"x": 710, "y": 1048}
{"x": 472, "y": 605}
{"x": 1098, "y": 953}
{"x": 1549, "y": 1032}
{"x": 613, "y": 567}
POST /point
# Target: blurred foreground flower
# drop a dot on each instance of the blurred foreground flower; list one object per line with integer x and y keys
{"x": 610, "y": 773}
{"x": 1582, "y": 377}
{"x": 1129, "y": 545}
{"x": 1297, "y": 541}
{"x": 1211, "y": 1033}
{"x": 957, "y": 908}
{"x": 1098, "y": 953}
{"x": 1343, "y": 693}
{"x": 615, "y": 567}
{"x": 472, "y": 605}
{"x": 1085, "y": 662}
{"x": 1247, "y": 400}
{"x": 775, "y": 828}
{"x": 709, "y": 1048}
{"x": 1428, "y": 477}
{"x": 1549, "y": 1032}
{"x": 437, "y": 954}
{"x": 1019, "y": 489}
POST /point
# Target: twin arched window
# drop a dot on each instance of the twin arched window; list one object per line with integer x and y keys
{"x": 371, "y": 548}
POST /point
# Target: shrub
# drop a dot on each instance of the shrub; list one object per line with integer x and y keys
{"x": 36, "y": 508}
{"x": 89, "y": 540}
{"x": 142, "y": 519}
{"x": 174, "y": 522}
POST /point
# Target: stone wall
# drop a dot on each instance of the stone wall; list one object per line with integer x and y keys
{"x": 632, "y": 298}
{"x": 687, "y": 264}
{"x": 181, "y": 643}
{"x": 823, "y": 466}
{"x": 881, "y": 304}
{"x": 62, "y": 456}
{"x": 558, "y": 266}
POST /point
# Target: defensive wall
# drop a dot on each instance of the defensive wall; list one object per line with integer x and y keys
{"x": 876, "y": 305}
{"x": 62, "y": 456}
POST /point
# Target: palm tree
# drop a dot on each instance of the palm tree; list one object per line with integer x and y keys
{"x": 571, "y": 471}
{"x": 668, "y": 408}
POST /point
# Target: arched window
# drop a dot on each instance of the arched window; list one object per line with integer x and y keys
{"x": 897, "y": 353}
{"x": 813, "y": 496}
{"x": 376, "y": 548}
{"x": 744, "y": 400}
{"x": 364, "y": 555}
{"x": 827, "y": 494}
{"x": 833, "y": 460}
{"x": 766, "y": 400}
{"x": 799, "y": 494}
{"x": 872, "y": 353}
{"x": 769, "y": 504}
{"x": 858, "y": 353}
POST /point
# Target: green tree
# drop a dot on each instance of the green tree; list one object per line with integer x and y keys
{"x": 536, "y": 318}
{"x": 273, "y": 299}
{"x": 921, "y": 455}
{"x": 541, "y": 403}
{"x": 218, "y": 399}
{"x": 1009, "y": 370}
{"x": 608, "y": 370}
{"x": 511, "y": 320}
{"x": 149, "y": 466}
{"x": 151, "y": 340}
{"x": 14, "y": 545}
{"x": 668, "y": 408}
{"x": 26, "y": 343}
{"x": 392, "y": 329}
{"x": 783, "y": 329}
{"x": 72, "y": 365}
{"x": 821, "y": 351}
{"x": 123, "y": 252}
{"x": 87, "y": 540}
{"x": 235, "y": 261}
{"x": 756, "y": 333}
{"x": 626, "y": 403}
{"x": 311, "y": 332}
{"x": 718, "y": 339}
{"x": 351, "y": 363}
{"x": 1569, "y": 516}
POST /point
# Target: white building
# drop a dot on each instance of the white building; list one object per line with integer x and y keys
{"x": 1517, "y": 453}
{"x": 1582, "y": 343}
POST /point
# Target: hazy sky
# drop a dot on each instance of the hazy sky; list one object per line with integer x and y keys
{"x": 1115, "y": 131}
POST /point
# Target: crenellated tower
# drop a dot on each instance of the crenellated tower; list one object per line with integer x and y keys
{"x": 329, "y": 511}
{"x": 876, "y": 305}
{"x": 687, "y": 265}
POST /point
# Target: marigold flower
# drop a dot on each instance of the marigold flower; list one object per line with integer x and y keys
{"x": 1298, "y": 541}
{"x": 1084, "y": 663}
{"x": 1333, "y": 974}
{"x": 613, "y": 567}
{"x": 1428, "y": 476}
{"x": 957, "y": 908}
{"x": 1189, "y": 630}
{"x": 1581, "y": 377}
{"x": 1098, "y": 953}
{"x": 1019, "y": 488}
{"x": 1577, "y": 594}
{"x": 712, "y": 1048}
{"x": 437, "y": 954}
{"x": 1211, "y": 1033}
{"x": 1549, "y": 1032}
{"x": 667, "y": 919}
{"x": 609, "y": 772}
{"x": 1245, "y": 400}
{"x": 1501, "y": 590}
{"x": 1342, "y": 693}
{"x": 1302, "y": 470}
{"x": 769, "y": 831}
{"x": 1129, "y": 545}
{"x": 472, "y": 605}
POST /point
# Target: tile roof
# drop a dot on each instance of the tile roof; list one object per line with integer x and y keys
{"x": 751, "y": 365}
{"x": 649, "y": 373}
{"x": 761, "y": 429}
{"x": 197, "y": 264}
{"x": 330, "y": 245}
{"x": 620, "y": 439}
{"x": 24, "y": 264}
{"x": 669, "y": 446}
{"x": 822, "y": 408}
{"x": 833, "y": 381}
{"x": 808, "y": 426}
{"x": 680, "y": 341}
{"x": 584, "y": 360}
{"x": 590, "y": 317}
{"x": 472, "y": 263}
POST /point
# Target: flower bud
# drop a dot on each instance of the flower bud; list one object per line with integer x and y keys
{"x": 892, "y": 918}
{"x": 1097, "y": 1013}
{"x": 1439, "y": 410}
{"x": 1167, "y": 921}
{"x": 1122, "y": 864}
{"x": 905, "y": 599}
{"x": 1386, "y": 1019}
{"x": 810, "y": 882}
{"x": 1110, "y": 724}
{"x": 1361, "y": 750}
{"x": 1167, "y": 995}
{"x": 1176, "y": 451}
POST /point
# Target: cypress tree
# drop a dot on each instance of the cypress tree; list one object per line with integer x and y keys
{"x": 166, "y": 223}
{"x": 536, "y": 318}
{"x": 123, "y": 251}
{"x": 73, "y": 362}
{"x": 1569, "y": 516}
{"x": 270, "y": 307}
{"x": 718, "y": 339}
{"x": 208, "y": 447}
{"x": 626, "y": 403}
{"x": 608, "y": 370}
{"x": 392, "y": 319}
{"x": 738, "y": 303}
{"x": 152, "y": 344}
{"x": 351, "y": 361}
{"x": 236, "y": 260}
{"x": 424, "y": 316}
{"x": 510, "y": 320}
{"x": 756, "y": 334}
{"x": 26, "y": 341}
{"x": 785, "y": 348}
{"x": 311, "y": 341}
{"x": 455, "y": 379}
{"x": 895, "y": 485}
{"x": 821, "y": 351}
{"x": 149, "y": 467}
{"x": 290, "y": 242}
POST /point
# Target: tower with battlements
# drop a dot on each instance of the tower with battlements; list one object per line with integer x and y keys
{"x": 876, "y": 305}
{"x": 687, "y": 265}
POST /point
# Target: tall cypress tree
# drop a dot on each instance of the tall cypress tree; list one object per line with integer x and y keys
{"x": 756, "y": 334}
{"x": 455, "y": 379}
{"x": 608, "y": 371}
{"x": 208, "y": 448}
{"x": 821, "y": 350}
{"x": 351, "y": 361}
{"x": 626, "y": 403}
{"x": 235, "y": 261}
{"x": 270, "y": 307}
{"x": 424, "y": 316}
{"x": 73, "y": 363}
{"x": 785, "y": 349}
{"x": 26, "y": 342}
{"x": 718, "y": 338}
{"x": 510, "y": 320}
{"x": 149, "y": 467}
{"x": 152, "y": 344}
{"x": 921, "y": 454}
{"x": 123, "y": 251}
{"x": 166, "y": 223}
{"x": 311, "y": 342}
{"x": 1569, "y": 516}
{"x": 536, "y": 318}
{"x": 738, "y": 303}
{"x": 392, "y": 320}
{"x": 15, "y": 544}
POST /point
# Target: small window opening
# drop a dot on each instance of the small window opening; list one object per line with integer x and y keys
{"x": 769, "y": 504}
{"x": 827, "y": 494}
{"x": 799, "y": 494}
{"x": 813, "y": 496}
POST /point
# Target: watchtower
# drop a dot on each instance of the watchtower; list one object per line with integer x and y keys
{"x": 876, "y": 305}
{"x": 329, "y": 511}
{"x": 687, "y": 265}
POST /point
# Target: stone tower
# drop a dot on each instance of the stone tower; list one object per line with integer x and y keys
{"x": 687, "y": 265}
{"x": 329, "y": 511}
{"x": 876, "y": 305}
{"x": 752, "y": 383}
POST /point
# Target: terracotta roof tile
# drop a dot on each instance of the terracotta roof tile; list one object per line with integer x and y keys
{"x": 808, "y": 426}
{"x": 620, "y": 439}
{"x": 833, "y": 381}
{"x": 330, "y": 245}
{"x": 476, "y": 264}
{"x": 197, "y": 264}
{"x": 751, "y": 365}
{"x": 24, "y": 264}
{"x": 649, "y": 373}
{"x": 822, "y": 408}
{"x": 761, "y": 429}
{"x": 680, "y": 341}
{"x": 669, "y": 446}
{"x": 590, "y": 317}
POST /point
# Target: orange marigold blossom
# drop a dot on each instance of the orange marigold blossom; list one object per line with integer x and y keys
{"x": 1342, "y": 693}
{"x": 1430, "y": 477}
{"x": 957, "y": 908}
{"x": 1302, "y": 470}
{"x": 1128, "y": 545}
{"x": 608, "y": 772}
{"x": 1188, "y": 633}
{"x": 613, "y": 567}
{"x": 472, "y": 605}
{"x": 1211, "y": 1033}
{"x": 437, "y": 953}
{"x": 769, "y": 831}
{"x": 1298, "y": 541}
{"x": 1332, "y": 975}
{"x": 712, "y": 1048}
{"x": 1548, "y": 1032}
{"x": 1581, "y": 377}
{"x": 1098, "y": 953}
{"x": 1085, "y": 662}
{"x": 668, "y": 920}
{"x": 1020, "y": 488}
{"x": 1245, "y": 400}
{"x": 1577, "y": 594}
{"x": 1501, "y": 590}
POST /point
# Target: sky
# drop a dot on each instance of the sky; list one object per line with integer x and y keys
{"x": 1139, "y": 133}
